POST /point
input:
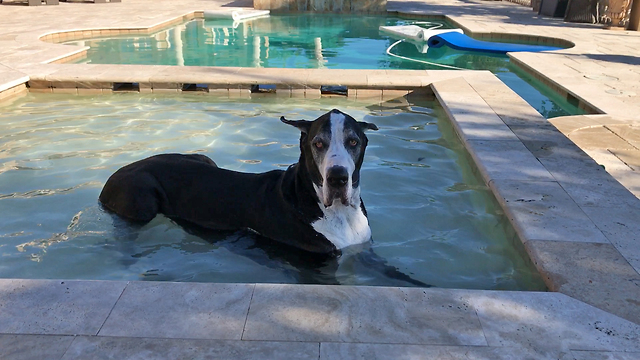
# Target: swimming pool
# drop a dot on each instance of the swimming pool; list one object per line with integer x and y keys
{"x": 430, "y": 215}
{"x": 312, "y": 41}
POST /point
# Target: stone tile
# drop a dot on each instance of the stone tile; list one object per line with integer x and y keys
{"x": 472, "y": 117}
{"x": 581, "y": 177}
{"x": 393, "y": 94}
{"x": 298, "y": 93}
{"x": 458, "y": 85}
{"x": 548, "y": 322}
{"x": 629, "y": 133}
{"x": 127, "y": 73}
{"x": 69, "y": 91}
{"x": 496, "y": 160}
{"x": 319, "y": 77}
{"x": 310, "y": 93}
{"x": 567, "y": 124}
{"x": 56, "y": 307}
{"x": 546, "y": 141}
{"x": 542, "y": 210}
{"x": 369, "y": 94}
{"x": 598, "y": 137}
{"x": 622, "y": 227}
{"x": 485, "y": 82}
{"x": 29, "y": 347}
{"x": 397, "y": 81}
{"x": 605, "y": 355}
{"x": 222, "y": 93}
{"x": 100, "y": 347}
{"x": 12, "y": 78}
{"x": 589, "y": 184}
{"x": 14, "y": 91}
{"x": 514, "y": 110}
{"x": 473, "y": 122}
{"x": 89, "y": 91}
{"x": 348, "y": 351}
{"x": 511, "y": 108}
{"x": 618, "y": 169}
{"x": 39, "y": 84}
{"x": 41, "y": 90}
{"x": 180, "y": 310}
{"x": 361, "y": 314}
{"x": 612, "y": 164}
{"x": 272, "y": 76}
{"x": 594, "y": 273}
{"x": 631, "y": 157}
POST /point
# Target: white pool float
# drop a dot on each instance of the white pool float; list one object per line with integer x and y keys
{"x": 414, "y": 32}
{"x": 235, "y": 15}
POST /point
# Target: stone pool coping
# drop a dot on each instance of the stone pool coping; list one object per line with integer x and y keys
{"x": 577, "y": 223}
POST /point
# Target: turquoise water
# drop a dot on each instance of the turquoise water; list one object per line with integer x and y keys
{"x": 431, "y": 217}
{"x": 311, "y": 41}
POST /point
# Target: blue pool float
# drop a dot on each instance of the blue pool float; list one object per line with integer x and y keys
{"x": 460, "y": 41}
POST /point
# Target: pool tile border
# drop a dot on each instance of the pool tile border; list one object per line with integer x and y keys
{"x": 306, "y": 321}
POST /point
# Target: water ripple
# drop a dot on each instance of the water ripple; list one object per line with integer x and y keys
{"x": 48, "y": 192}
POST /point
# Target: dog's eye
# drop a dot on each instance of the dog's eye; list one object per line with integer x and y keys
{"x": 318, "y": 144}
{"x": 353, "y": 142}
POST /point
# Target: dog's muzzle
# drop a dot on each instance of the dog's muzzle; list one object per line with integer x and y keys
{"x": 337, "y": 181}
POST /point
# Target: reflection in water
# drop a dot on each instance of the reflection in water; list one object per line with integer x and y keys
{"x": 431, "y": 218}
{"x": 311, "y": 41}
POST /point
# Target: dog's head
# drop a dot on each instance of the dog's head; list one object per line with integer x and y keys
{"x": 332, "y": 149}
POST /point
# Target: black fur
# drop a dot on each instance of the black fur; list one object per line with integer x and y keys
{"x": 280, "y": 205}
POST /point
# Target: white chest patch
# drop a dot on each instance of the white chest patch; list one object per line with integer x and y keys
{"x": 343, "y": 225}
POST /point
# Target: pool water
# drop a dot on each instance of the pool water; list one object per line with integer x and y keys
{"x": 431, "y": 216}
{"x": 312, "y": 41}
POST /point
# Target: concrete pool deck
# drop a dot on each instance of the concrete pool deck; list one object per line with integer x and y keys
{"x": 578, "y": 224}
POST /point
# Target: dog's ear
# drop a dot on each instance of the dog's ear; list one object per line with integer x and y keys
{"x": 367, "y": 126}
{"x": 303, "y": 125}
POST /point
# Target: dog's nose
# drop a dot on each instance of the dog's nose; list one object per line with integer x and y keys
{"x": 337, "y": 176}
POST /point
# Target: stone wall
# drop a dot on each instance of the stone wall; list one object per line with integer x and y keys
{"x": 335, "y": 6}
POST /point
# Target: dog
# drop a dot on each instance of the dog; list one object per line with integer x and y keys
{"x": 314, "y": 205}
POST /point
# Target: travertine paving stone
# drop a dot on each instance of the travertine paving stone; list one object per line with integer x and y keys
{"x": 361, "y": 314}
{"x": 56, "y": 307}
{"x": 180, "y": 310}
{"x": 473, "y": 118}
{"x": 605, "y": 355}
{"x": 338, "y": 351}
{"x": 622, "y": 227}
{"x": 582, "y": 178}
{"x": 85, "y": 347}
{"x": 10, "y": 78}
{"x": 631, "y": 157}
{"x": 542, "y": 210}
{"x": 594, "y": 273}
{"x": 598, "y": 137}
{"x": 29, "y": 347}
{"x": 548, "y": 322}
{"x": 506, "y": 160}
{"x": 630, "y": 133}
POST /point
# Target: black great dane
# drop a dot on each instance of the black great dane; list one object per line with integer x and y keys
{"x": 314, "y": 205}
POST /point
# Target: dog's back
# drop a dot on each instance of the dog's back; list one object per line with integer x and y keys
{"x": 192, "y": 188}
